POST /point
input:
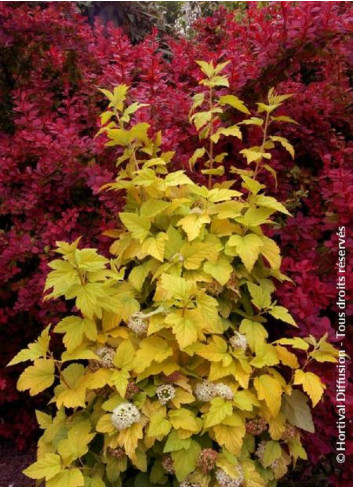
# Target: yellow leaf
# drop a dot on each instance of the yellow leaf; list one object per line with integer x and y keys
{"x": 105, "y": 424}
{"x": 184, "y": 419}
{"x": 230, "y": 437}
{"x": 154, "y": 246}
{"x": 311, "y": 383}
{"x": 35, "y": 350}
{"x": 248, "y": 248}
{"x": 226, "y": 131}
{"x": 152, "y": 349}
{"x": 285, "y": 143}
{"x": 251, "y": 475}
{"x": 254, "y": 154}
{"x": 159, "y": 426}
{"x": 124, "y": 355}
{"x": 120, "y": 380}
{"x": 139, "y": 274}
{"x": 185, "y": 330}
{"x": 38, "y": 377}
{"x": 260, "y": 295}
{"x": 44, "y": 420}
{"x": 221, "y": 271}
{"x": 67, "y": 478}
{"x": 282, "y": 313}
{"x": 47, "y": 467}
{"x": 271, "y": 252}
{"x": 128, "y": 439}
{"x": 219, "y": 409}
{"x": 192, "y": 224}
{"x": 269, "y": 390}
{"x": 234, "y": 102}
{"x": 153, "y": 207}
{"x": 198, "y": 153}
{"x": 271, "y": 203}
{"x": 98, "y": 379}
{"x": 72, "y": 392}
{"x": 74, "y": 329}
{"x": 76, "y": 443}
{"x": 266, "y": 355}
{"x": 286, "y": 357}
{"x": 277, "y": 426}
{"x": 138, "y": 226}
{"x": 255, "y": 333}
{"x": 195, "y": 253}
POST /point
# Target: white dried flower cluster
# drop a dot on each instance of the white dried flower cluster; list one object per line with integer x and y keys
{"x": 165, "y": 393}
{"x": 138, "y": 324}
{"x": 224, "y": 480}
{"x": 125, "y": 415}
{"x": 187, "y": 483}
{"x": 260, "y": 450}
{"x": 238, "y": 340}
{"x": 205, "y": 391}
{"x": 106, "y": 356}
{"x": 224, "y": 391}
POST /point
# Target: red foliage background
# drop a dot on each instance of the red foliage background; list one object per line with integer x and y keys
{"x": 51, "y": 167}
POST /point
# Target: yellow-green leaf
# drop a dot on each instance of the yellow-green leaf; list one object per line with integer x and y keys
{"x": 138, "y": 226}
{"x": 46, "y": 467}
{"x": 38, "y": 377}
{"x": 219, "y": 409}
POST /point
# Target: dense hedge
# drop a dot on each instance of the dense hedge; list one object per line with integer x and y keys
{"x": 52, "y": 64}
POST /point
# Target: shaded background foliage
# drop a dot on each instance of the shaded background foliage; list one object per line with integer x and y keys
{"x": 53, "y": 58}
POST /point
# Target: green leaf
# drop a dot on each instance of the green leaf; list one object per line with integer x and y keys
{"x": 297, "y": 411}
{"x": 175, "y": 443}
{"x": 185, "y": 460}
{"x": 272, "y": 453}
{"x": 46, "y": 467}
